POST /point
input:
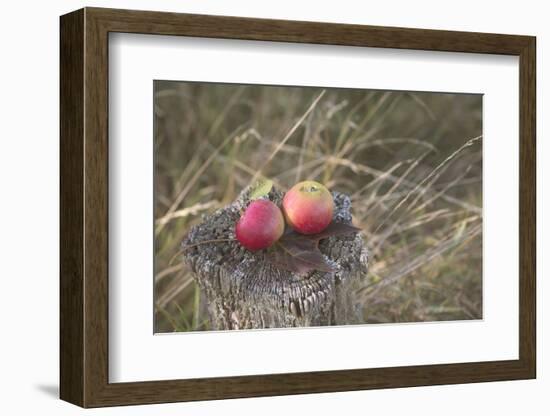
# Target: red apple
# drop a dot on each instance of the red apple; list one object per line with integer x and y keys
{"x": 308, "y": 207}
{"x": 261, "y": 224}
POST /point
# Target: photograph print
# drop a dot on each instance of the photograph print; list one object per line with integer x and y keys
{"x": 289, "y": 206}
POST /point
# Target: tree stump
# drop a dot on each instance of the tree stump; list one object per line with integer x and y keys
{"x": 244, "y": 291}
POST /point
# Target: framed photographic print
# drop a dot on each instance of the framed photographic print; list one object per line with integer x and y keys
{"x": 256, "y": 207}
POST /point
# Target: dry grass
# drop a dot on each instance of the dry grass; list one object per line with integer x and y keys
{"x": 411, "y": 161}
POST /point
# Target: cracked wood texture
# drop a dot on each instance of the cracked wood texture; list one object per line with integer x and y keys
{"x": 243, "y": 290}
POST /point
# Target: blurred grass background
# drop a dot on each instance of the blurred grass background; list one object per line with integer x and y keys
{"x": 411, "y": 161}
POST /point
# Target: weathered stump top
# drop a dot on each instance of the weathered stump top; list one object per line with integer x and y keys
{"x": 232, "y": 276}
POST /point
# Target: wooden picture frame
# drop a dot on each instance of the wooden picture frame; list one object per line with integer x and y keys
{"x": 84, "y": 207}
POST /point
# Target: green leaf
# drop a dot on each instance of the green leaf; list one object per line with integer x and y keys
{"x": 300, "y": 253}
{"x": 260, "y": 189}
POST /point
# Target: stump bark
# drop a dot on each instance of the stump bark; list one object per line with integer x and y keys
{"x": 244, "y": 291}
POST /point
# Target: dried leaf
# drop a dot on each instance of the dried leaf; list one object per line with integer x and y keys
{"x": 300, "y": 253}
{"x": 334, "y": 229}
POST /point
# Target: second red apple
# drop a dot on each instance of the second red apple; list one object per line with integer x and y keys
{"x": 308, "y": 207}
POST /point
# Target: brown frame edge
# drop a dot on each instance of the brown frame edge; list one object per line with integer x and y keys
{"x": 84, "y": 207}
